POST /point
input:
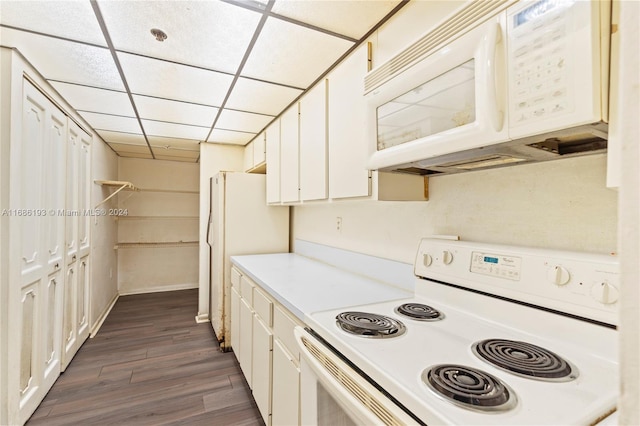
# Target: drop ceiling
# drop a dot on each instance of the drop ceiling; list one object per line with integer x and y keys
{"x": 225, "y": 71}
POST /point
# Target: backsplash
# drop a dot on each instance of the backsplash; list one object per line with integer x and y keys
{"x": 560, "y": 204}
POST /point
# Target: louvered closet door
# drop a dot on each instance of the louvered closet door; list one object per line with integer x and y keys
{"x": 38, "y": 190}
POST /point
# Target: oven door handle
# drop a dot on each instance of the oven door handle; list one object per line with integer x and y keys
{"x": 354, "y": 393}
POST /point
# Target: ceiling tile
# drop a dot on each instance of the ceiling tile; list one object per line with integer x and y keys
{"x": 174, "y": 143}
{"x": 133, "y": 149}
{"x": 291, "y": 54}
{"x": 205, "y": 33}
{"x": 230, "y": 137}
{"x": 135, "y": 155}
{"x": 190, "y": 159}
{"x": 162, "y": 79}
{"x": 64, "y": 60}
{"x": 264, "y": 98}
{"x": 246, "y": 121}
{"x": 176, "y": 153}
{"x": 174, "y": 111}
{"x": 95, "y": 100}
{"x": 119, "y": 137}
{"x": 160, "y": 128}
{"x": 346, "y": 17}
{"x": 111, "y": 122}
{"x": 70, "y": 19}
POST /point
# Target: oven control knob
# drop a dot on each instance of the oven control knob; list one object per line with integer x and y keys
{"x": 427, "y": 259}
{"x": 604, "y": 292}
{"x": 447, "y": 257}
{"x": 559, "y": 275}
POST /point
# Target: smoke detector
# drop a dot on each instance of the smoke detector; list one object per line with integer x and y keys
{"x": 158, "y": 34}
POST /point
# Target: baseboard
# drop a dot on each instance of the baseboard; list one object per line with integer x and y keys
{"x": 202, "y": 318}
{"x": 98, "y": 324}
{"x": 174, "y": 287}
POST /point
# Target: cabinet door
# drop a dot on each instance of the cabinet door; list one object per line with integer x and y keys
{"x": 52, "y": 316}
{"x": 273, "y": 162}
{"x": 348, "y": 174}
{"x": 285, "y": 408}
{"x": 235, "y": 322}
{"x": 313, "y": 143}
{"x": 84, "y": 193}
{"x": 71, "y": 193}
{"x": 69, "y": 330}
{"x": 248, "y": 157}
{"x": 34, "y": 295}
{"x": 259, "y": 149}
{"x": 54, "y": 184}
{"x": 82, "y": 301}
{"x": 246, "y": 336}
{"x": 289, "y": 160}
{"x": 261, "y": 369}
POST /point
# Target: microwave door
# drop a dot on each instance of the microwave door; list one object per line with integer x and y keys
{"x": 450, "y": 101}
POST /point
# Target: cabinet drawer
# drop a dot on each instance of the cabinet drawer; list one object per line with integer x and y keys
{"x": 262, "y": 306}
{"x": 283, "y": 325}
{"x": 235, "y": 278}
{"x": 246, "y": 289}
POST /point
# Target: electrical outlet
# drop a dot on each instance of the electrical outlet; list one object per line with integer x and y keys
{"x": 338, "y": 223}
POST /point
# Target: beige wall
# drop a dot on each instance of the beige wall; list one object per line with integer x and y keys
{"x": 213, "y": 158}
{"x": 164, "y": 211}
{"x": 561, "y": 204}
{"x": 104, "y": 261}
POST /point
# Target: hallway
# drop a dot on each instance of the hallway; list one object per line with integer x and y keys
{"x": 151, "y": 364}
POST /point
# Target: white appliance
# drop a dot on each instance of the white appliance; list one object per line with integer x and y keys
{"x": 240, "y": 222}
{"x": 494, "y": 86}
{"x": 494, "y": 335}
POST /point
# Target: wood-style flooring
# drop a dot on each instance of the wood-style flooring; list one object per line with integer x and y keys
{"x": 151, "y": 364}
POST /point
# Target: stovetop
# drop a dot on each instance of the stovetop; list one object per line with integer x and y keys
{"x": 411, "y": 365}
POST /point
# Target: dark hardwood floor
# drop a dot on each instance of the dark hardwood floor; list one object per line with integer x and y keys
{"x": 151, "y": 364}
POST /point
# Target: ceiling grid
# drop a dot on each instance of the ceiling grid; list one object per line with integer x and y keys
{"x": 227, "y": 69}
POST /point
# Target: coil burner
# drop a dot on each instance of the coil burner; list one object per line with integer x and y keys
{"x": 419, "y": 311}
{"x": 525, "y": 359}
{"x": 469, "y": 387}
{"x": 369, "y": 325}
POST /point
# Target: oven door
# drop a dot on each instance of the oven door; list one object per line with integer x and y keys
{"x": 333, "y": 394}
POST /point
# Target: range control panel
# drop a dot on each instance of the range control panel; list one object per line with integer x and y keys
{"x": 496, "y": 265}
{"x": 577, "y": 283}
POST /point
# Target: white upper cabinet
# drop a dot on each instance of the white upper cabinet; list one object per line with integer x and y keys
{"x": 273, "y": 162}
{"x": 259, "y": 150}
{"x": 248, "y": 157}
{"x": 255, "y": 155}
{"x": 348, "y": 174}
{"x": 289, "y": 155}
{"x": 313, "y": 144}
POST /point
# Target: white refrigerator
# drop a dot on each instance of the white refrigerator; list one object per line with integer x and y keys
{"x": 240, "y": 222}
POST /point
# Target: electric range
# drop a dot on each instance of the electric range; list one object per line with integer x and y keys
{"x": 494, "y": 335}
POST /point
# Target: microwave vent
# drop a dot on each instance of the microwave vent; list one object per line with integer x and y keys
{"x": 464, "y": 20}
{"x": 479, "y": 163}
{"x": 568, "y": 146}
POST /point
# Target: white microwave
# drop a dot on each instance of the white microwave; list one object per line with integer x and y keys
{"x": 527, "y": 81}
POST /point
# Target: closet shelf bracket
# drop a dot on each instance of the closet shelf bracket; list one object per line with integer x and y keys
{"x": 120, "y": 185}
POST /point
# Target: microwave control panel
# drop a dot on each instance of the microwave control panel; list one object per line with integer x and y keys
{"x": 540, "y": 62}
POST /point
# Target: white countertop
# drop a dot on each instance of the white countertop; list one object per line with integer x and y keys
{"x": 303, "y": 285}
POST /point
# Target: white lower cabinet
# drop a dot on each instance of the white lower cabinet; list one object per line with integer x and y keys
{"x": 267, "y": 353}
{"x": 286, "y": 387}
{"x": 235, "y": 322}
{"x": 245, "y": 340}
{"x": 261, "y": 369}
